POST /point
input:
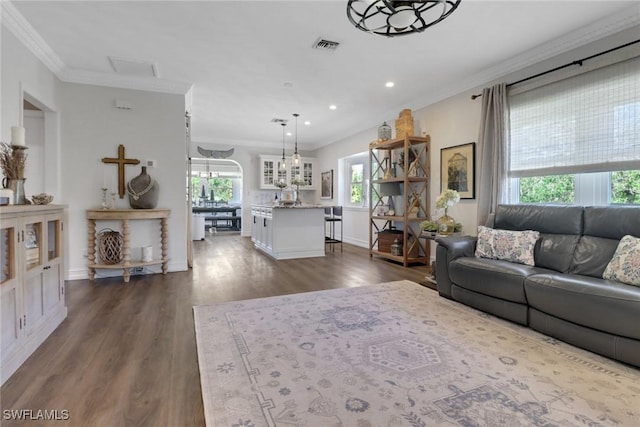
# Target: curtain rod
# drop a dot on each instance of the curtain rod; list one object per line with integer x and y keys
{"x": 578, "y": 62}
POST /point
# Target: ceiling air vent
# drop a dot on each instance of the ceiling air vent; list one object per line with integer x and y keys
{"x": 323, "y": 44}
{"x": 134, "y": 67}
{"x": 276, "y": 120}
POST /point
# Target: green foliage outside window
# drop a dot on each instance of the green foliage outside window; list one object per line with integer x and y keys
{"x": 222, "y": 188}
{"x": 548, "y": 189}
{"x": 625, "y": 187}
{"x": 357, "y": 181}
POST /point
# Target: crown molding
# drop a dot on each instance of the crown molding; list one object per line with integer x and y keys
{"x": 114, "y": 80}
{"x": 607, "y": 26}
{"x": 26, "y": 34}
{"x": 18, "y": 25}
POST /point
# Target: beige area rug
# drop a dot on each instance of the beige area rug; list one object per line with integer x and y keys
{"x": 397, "y": 354}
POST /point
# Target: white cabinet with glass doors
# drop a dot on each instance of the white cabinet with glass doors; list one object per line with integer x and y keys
{"x": 32, "y": 302}
{"x": 271, "y": 173}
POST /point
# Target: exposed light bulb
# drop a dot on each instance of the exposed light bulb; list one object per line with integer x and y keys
{"x": 283, "y": 161}
{"x": 404, "y": 17}
{"x": 295, "y": 159}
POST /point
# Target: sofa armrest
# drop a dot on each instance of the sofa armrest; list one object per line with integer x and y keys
{"x": 458, "y": 246}
{"x": 448, "y": 249}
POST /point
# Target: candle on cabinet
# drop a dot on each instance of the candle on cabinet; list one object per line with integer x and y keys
{"x": 17, "y": 135}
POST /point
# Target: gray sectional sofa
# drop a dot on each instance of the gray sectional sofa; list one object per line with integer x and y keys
{"x": 563, "y": 295}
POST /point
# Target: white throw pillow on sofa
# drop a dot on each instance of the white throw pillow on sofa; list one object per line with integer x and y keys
{"x": 625, "y": 265}
{"x": 507, "y": 245}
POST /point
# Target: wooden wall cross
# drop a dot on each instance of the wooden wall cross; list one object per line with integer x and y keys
{"x": 120, "y": 161}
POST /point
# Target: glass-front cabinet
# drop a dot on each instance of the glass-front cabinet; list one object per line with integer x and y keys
{"x": 10, "y": 301}
{"x": 31, "y": 278}
{"x": 271, "y": 173}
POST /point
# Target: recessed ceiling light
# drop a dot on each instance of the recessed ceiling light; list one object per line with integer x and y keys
{"x": 389, "y": 84}
{"x": 307, "y": 123}
{"x": 332, "y": 107}
{"x": 289, "y": 134}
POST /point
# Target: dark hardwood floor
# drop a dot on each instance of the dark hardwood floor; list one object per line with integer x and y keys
{"x": 126, "y": 354}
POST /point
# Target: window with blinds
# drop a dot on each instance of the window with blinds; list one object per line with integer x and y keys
{"x": 586, "y": 123}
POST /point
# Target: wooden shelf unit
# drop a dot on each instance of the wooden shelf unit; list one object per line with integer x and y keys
{"x": 125, "y": 216}
{"x": 412, "y": 175}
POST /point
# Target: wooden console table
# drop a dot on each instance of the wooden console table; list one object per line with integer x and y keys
{"x": 126, "y": 215}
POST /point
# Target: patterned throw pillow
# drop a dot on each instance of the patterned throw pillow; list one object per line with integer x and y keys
{"x": 507, "y": 245}
{"x": 625, "y": 265}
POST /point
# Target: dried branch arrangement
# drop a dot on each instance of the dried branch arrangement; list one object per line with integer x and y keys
{"x": 12, "y": 161}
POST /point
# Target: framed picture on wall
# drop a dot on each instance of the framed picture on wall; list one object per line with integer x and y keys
{"x": 458, "y": 169}
{"x": 326, "y": 184}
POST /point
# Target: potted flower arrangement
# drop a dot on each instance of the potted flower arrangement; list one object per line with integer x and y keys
{"x": 445, "y": 200}
{"x": 429, "y": 227}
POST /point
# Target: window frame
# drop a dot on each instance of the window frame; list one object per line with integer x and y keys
{"x": 592, "y": 187}
{"x": 345, "y": 182}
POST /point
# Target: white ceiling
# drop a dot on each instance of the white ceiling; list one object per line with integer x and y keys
{"x": 251, "y": 61}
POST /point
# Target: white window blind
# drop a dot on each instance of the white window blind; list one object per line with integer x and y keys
{"x": 586, "y": 123}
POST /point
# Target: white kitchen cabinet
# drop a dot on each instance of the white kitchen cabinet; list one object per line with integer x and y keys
{"x": 270, "y": 173}
{"x": 31, "y": 280}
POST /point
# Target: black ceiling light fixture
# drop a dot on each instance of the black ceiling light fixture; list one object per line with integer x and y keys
{"x": 283, "y": 163}
{"x": 296, "y": 159}
{"x": 398, "y": 18}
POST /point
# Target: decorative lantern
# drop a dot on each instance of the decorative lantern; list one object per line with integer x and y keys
{"x": 396, "y": 247}
{"x": 384, "y": 132}
{"x": 110, "y": 246}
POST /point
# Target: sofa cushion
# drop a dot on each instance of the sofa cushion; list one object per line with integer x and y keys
{"x": 604, "y": 226}
{"x": 612, "y": 222}
{"x": 507, "y": 245}
{"x": 555, "y": 251}
{"x": 599, "y": 304}
{"x": 625, "y": 265}
{"x": 500, "y": 279}
{"x": 592, "y": 255}
{"x": 559, "y": 227}
{"x": 545, "y": 219}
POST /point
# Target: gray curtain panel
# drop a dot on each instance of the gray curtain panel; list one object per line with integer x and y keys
{"x": 493, "y": 146}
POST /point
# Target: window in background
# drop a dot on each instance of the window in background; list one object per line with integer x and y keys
{"x": 212, "y": 189}
{"x": 357, "y": 184}
{"x": 548, "y": 189}
{"x": 577, "y": 140}
{"x": 625, "y": 187}
{"x": 353, "y": 180}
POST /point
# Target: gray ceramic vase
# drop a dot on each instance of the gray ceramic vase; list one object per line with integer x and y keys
{"x": 143, "y": 191}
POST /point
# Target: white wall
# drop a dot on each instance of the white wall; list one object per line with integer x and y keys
{"x": 33, "y": 122}
{"x": 92, "y": 128}
{"x": 450, "y": 122}
{"x": 22, "y": 71}
{"x": 84, "y": 126}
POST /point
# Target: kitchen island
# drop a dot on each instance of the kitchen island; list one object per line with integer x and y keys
{"x": 287, "y": 232}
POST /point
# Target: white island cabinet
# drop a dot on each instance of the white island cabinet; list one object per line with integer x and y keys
{"x": 288, "y": 232}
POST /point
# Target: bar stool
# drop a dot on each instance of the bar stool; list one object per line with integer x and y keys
{"x": 331, "y": 216}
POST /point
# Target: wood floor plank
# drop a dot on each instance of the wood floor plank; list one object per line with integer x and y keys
{"x": 126, "y": 355}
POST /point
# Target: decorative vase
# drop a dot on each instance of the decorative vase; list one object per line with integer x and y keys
{"x": 446, "y": 224}
{"x": 143, "y": 191}
{"x": 17, "y": 186}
